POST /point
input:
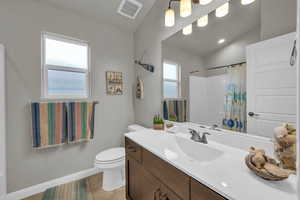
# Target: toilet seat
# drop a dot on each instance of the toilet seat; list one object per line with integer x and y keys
{"x": 111, "y": 158}
{"x": 111, "y": 155}
{"x": 111, "y": 162}
{"x": 108, "y": 162}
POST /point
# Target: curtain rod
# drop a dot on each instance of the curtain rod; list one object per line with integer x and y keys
{"x": 220, "y": 67}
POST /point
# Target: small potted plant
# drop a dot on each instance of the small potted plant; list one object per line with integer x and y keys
{"x": 158, "y": 123}
{"x": 173, "y": 118}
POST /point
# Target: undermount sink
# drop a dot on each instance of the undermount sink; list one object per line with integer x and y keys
{"x": 197, "y": 151}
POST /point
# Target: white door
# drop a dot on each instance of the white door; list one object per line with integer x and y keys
{"x": 2, "y": 123}
{"x": 271, "y": 85}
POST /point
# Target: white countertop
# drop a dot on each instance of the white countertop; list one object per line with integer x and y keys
{"x": 227, "y": 174}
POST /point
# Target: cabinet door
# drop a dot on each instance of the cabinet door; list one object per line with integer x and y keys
{"x": 132, "y": 179}
{"x": 150, "y": 187}
{"x": 166, "y": 194}
{"x": 201, "y": 192}
{"x": 140, "y": 184}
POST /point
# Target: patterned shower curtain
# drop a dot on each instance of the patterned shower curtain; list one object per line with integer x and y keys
{"x": 235, "y": 99}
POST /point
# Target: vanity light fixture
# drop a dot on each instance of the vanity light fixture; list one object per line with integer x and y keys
{"x": 205, "y": 2}
{"x": 221, "y": 41}
{"x": 169, "y": 17}
{"x": 246, "y": 2}
{"x": 223, "y": 10}
{"x": 202, "y": 21}
{"x": 187, "y": 30}
{"x": 185, "y": 8}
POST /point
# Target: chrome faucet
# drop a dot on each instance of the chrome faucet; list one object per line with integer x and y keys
{"x": 197, "y": 138}
{"x": 204, "y": 138}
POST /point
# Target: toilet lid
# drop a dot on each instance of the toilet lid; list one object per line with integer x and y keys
{"x": 111, "y": 154}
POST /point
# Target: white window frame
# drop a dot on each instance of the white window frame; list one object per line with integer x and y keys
{"x": 46, "y": 67}
{"x": 177, "y": 81}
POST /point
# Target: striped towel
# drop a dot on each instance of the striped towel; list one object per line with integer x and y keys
{"x": 49, "y": 124}
{"x": 175, "y": 110}
{"x": 80, "y": 121}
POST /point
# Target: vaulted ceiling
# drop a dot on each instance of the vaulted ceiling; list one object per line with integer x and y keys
{"x": 104, "y": 11}
{"x": 203, "y": 41}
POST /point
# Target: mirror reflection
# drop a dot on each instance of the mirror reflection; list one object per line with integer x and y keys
{"x": 230, "y": 71}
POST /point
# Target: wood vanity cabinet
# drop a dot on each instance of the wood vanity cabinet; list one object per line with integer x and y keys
{"x": 201, "y": 192}
{"x": 140, "y": 184}
{"x": 150, "y": 178}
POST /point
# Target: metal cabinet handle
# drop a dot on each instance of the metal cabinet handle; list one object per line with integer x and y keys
{"x": 294, "y": 54}
{"x": 130, "y": 149}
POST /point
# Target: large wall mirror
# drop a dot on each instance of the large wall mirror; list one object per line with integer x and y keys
{"x": 234, "y": 72}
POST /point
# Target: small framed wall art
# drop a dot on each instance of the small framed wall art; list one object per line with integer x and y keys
{"x": 114, "y": 83}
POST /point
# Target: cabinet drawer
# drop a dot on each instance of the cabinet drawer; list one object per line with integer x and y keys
{"x": 133, "y": 150}
{"x": 176, "y": 180}
{"x": 201, "y": 192}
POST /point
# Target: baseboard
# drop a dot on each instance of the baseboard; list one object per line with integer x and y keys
{"x": 27, "y": 192}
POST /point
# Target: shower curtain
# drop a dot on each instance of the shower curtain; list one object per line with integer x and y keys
{"x": 235, "y": 99}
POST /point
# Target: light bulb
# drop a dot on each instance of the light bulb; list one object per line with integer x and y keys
{"x": 185, "y": 8}
{"x": 205, "y": 2}
{"x": 221, "y": 41}
{"x": 246, "y": 2}
{"x": 223, "y": 10}
{"x": 203, "y": 21}
{"x": 169, "y": 17}
{"x": 187, "y": 30}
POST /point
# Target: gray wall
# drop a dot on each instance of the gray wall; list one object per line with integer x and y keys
{"x": 148, "y": 38}
{"x": 21, "y": 24}
{"x": 187, "y": 61}
{"x": 278, "y": 17}
{"x": 234, "y": 52}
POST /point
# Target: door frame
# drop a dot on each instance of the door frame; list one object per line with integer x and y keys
{"x": 3, "y": 191}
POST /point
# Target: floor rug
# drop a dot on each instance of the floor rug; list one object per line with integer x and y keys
{"x": 78, "y": 190}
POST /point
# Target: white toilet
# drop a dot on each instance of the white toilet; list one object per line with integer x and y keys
{"x": 112, "y": 163}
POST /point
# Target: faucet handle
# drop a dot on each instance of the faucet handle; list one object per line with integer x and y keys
{"x": 213, "y": 127}
{"x": 204, "y": 138}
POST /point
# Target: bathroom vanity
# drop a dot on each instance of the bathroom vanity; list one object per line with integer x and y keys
{"x": 164, "y": 166}
{"x": 228, "y": 79}
{"x": 149, "y": 177}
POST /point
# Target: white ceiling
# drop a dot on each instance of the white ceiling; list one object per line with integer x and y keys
{"x": 203, "y": 41}
{"x": 104, "y": 11}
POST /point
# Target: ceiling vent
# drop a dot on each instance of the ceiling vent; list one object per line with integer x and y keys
{"x": 130, "y": 8}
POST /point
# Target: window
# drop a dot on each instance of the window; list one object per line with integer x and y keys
{"x": 171, "y": 80}
{"x": 65, "y": 67}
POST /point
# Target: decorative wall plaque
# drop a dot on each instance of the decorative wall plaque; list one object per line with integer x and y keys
{"x": 114, "y": 83}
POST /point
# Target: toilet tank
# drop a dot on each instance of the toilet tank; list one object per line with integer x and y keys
{"x": 135, "y": 127}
